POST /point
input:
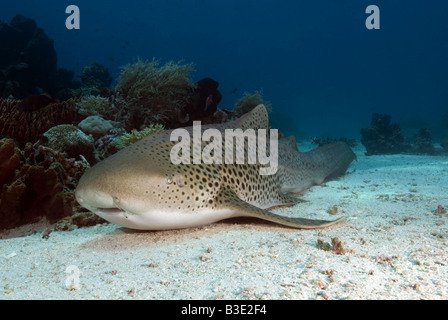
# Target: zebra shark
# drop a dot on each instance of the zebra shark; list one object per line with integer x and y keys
{"x": 140, "y": 188}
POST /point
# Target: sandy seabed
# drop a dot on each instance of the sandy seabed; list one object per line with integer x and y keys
{"x": 394, "y": 246}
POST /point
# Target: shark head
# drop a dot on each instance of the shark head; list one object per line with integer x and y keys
{"x": 115, "y": 189}
{"x": 140, "y": 188}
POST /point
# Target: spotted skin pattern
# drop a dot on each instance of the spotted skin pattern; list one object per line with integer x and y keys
{"x": 139, "y": 187}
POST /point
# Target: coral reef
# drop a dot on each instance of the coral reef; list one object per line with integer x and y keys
{"x": 49, "y": 144}
{"x": 36, "y": 182}
{"x": 36, "y": 102}
{"x": 423, "y": 142}
{"x": 70, "y": 140}
{"x": 35, "y": 192}
{"x": 106, "y": 145}
{"x": 94, "y": 79}
{"x": 130, "y": 138}
{"x": 95, "y": 126}
{"x": 148, "y": 93}
{"x": 220, "y": 116}
{"x": 66, "y": 87}
{"x": 26, "y": 126}
{"x": 382, "y": 137}
{"x": 93, "y": 105}
{"x": 154, "y": 94}
{"x": 247, "y": 102}
{"x": 9, "y": 160}
{"x": 28, "y": 61}
{"x": 203, "y": 102}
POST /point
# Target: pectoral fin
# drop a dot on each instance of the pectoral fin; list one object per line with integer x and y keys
{"x": 230, "y": 201}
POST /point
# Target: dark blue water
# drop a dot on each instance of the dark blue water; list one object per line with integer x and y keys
{"x": 322, "y": 69}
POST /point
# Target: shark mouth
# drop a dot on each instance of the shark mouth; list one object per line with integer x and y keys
{"x": 110, "y": 211}
{"x": 115, "y": 215}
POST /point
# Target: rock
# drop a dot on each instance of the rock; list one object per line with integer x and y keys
{"x": 96, "y": 126}
{"x": 70, "y": 140}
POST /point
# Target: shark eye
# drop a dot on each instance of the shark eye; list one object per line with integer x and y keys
{"x": 169, "y": 180}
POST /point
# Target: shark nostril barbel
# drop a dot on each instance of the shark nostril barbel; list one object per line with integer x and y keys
{"x": 116, "y": 201}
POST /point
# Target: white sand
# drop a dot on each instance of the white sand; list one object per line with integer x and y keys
{"x": 395, "y": 248}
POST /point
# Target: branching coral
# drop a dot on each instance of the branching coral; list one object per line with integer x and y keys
{"x": 130, "y": 138}
{"x": 249, "y": 101}
{"x": 154, "y": 93}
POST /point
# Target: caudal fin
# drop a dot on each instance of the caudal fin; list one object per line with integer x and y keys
{"x": 334, "y": 158}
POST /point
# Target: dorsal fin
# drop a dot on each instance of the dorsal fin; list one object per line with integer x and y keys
{"x": 257, "y": 118}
